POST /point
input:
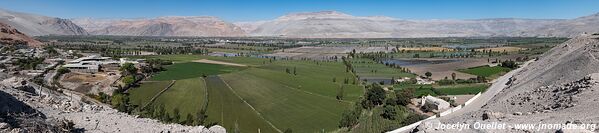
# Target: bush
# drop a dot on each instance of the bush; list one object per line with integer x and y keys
{"x": 509, "y": 64}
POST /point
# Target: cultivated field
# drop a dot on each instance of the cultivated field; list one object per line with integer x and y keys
{"x": 486, "y": 71}
{"x": 502, "y": 49}
{"x": 268, "y": 96}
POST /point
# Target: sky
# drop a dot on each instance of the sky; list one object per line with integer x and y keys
{"x": 254, "y": 10}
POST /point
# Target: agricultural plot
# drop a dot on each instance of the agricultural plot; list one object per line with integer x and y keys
{"x": 187, "y": 95}
{"x": 262, "y": 97}
{"x": 228, "y": 110}
{"x": 287, "y": 107}
{"x": 462, "y": 89}
{"x": 420, "y": 90}
{"x": 502, "y": 49}
{"x": 193, "y": 69}
{"x": 367, "y": 69}
{"x": 322, "y": 78}
{"x": 143, "y": 94}
{"x": 435, "y": 90}
{"x": 486, "y": 71}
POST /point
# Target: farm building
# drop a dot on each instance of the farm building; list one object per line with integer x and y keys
{"x": 438, "y": 103}
{"x": 94, "y": 63}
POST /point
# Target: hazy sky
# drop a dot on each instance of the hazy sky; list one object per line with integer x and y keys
{"x": 251, "y": 10}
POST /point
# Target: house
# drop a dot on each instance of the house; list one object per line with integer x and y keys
{"x": 438, "y": 103}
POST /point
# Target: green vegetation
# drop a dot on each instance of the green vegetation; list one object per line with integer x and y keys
{"x": 187, "y": 95}
{"x": 366, "y": 68}
{"x": 486, "y": 71}
{"x": 228, "y": 110}
{"x": 143, "y": 94}
{"x": 311, "y": 112}
{"x": 186, "y": 70}
{"x": 462, "y": 89}
{"x": 457, "y": 89}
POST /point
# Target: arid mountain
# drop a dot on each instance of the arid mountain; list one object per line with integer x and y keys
{"x": 339, "y": 25}
{"x": 561, "y": 87}
{"x": 162, "y": 26}
{"x": 573, "y": 27}
{"x": 11, "y": 36}
{"x": 37, "y": 25}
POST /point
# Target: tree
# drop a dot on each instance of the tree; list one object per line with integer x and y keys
{"x": 128, "y": 80}
{"x": 288, "y": 130}
{"x": 375, "y": 95}
{"x": 128, "y": 69}
{"x": 340, "y": 93}
{"x": 404, "y": 96}
{"x": 389, "y": 112}
{"x": 453, "y": 75}
{"x": 428, "y": 74}
{"x": 189, "y": 120}
{"x": 176, "y": 115}
{"x": 294, "y": 71}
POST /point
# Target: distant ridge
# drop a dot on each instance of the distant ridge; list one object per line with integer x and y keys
{"x": 37, "y": 25}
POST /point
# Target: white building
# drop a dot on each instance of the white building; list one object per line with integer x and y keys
{"x": 438, "y": 103}
{"x": 94, "y": 63}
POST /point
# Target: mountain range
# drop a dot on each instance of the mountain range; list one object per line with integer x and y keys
{"x": 323, "y": 24}
{"x": 37, "y": 25}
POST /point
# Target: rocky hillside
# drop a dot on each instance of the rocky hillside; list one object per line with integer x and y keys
{"x": 162, "y": 26}
{"x": 11, "y": 36}
{"x": 334, "y": 24}
{"x": 37, "y": 25}
{"x": 561, "y": 87}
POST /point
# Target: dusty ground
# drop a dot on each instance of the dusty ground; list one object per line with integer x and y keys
{"x": 89, "y": 83}
{"x": 440, "y": 71}
{"x": 218, "y": 62}
{"x": 460, "y": 99}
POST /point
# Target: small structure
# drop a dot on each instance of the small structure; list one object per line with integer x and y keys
{"x": 404, "y": 79}
{"x": 424, "y": 81}
{"x": 438, "y": 103}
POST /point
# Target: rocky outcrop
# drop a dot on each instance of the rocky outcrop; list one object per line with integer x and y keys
{"x": 162, "y": 26}
{"x": 37, "y": 25}
{"x": 11, "y": 36}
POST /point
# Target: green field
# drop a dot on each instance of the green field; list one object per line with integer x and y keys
{"x": 251, "y": 98}
{"x": 143, "y": 94}
{"x": 369, "y": 68}
{"x": 462, "y": 89}
{"x": 287, "y": 107}
{"x": 486, "y": 71}
{"x": 187, "y": 95}
{"x": 434, "y": 90}
{"x": 229, "y": 111}
{"x": 186, "y": 70}
{"x": 420, "y": 90}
